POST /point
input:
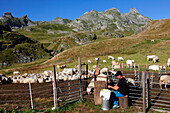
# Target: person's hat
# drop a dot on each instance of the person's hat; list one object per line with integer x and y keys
{"x": 118, "y": 73}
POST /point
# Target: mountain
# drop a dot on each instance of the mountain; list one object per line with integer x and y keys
{"x": 59, "y": 20}
{"x": 13, "y": 22}
{"x": 60, "y": 35}
{"x": 111, "y": 19}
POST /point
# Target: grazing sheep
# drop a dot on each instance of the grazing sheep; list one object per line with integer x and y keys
{"x": 155, "y": 59}
{"x": 104, "y": 61}
{"x": 154, "y": 67}
{"x": 16, "y": 73}
{"x": 130, "y": 63}
{"x": 100, "y": 77}
{"x": 152, "y": 40}
{"x": 120, "y": 58}
{"x": 150, "y": 57}
{"x": 168, "y": 62}
{"x": 96, "y": 59}
{"x": 164, "y": 79}
{"x": 111, "y": 57}
{"x": 117, "y": 66}
{"x": 89, "y": 61}
{"x": 113, "y": 63}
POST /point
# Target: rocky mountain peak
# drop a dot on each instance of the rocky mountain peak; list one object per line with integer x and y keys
{"x": 8, "y": 14}
{"x": 59, "y": 20}
{"x": 112, "y": 10}
{"x": 133, "y": 11}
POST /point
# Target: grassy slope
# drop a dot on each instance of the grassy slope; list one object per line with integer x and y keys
{"x": 132, "y": 47}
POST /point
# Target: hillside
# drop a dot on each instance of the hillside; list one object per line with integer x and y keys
{"x": 17, "y": 48}
{"x": 135, "y": 47}
{"x": 61, "y": 34}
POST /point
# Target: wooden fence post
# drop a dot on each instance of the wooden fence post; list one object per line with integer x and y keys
{"x": 144, "y": 91}
{"x": 147, "y": 88}
{"x": 80, "y": 74}
{"x": 56, "y": 86}
{"x": 31, "y": 96}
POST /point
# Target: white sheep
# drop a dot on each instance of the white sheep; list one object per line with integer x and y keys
{"x": 164, "y": 79}
{"x": 68, "y": 71}
{"x": 132, "y": 81}
{"x": 120, "y": 58}
{"x": 154, "y": 67}
{"x": 155, "y": 59}
{"x": 111, "y": 57}
{"x": 96, "y": 59}
{"x": 104, "y": 70}
{"x": 104, "y": 61}
{"x": 130, "y": 63}
{"x": 16, "y": 73}
{"x": 89, "y": 61}
{"x": 47, "y": 73}
{"x": 150, "y": 57}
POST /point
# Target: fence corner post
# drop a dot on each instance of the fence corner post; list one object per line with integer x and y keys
{"x": 144, "y": 91}
{"x": 80, "y": 74}
{"x": 56, "y": 86}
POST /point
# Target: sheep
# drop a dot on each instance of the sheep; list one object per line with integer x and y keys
{"x": 150, "y": 57}
{"x": 111, "y": 57}
{"x": 47, "y": 73}
{"x": 104, "y": 61}
{"x": 120, "y": 58}
{"x": 68, "y": 71}
{"x": 104, "y": 71}
{"x": 96, "y": 59}
{"x": 168, "y": 62}
{"x": 132, "y": 81}
{"x": 117, "y": 66}
{"x": 155, "y": 59}
{"x": 16, "y": 73}
{"x": 164, "y": 79}
{"x": 61, "y": 67}
{"x": 100, "y": 77}
{"x": 89, "y": 61}
{"x": 154, "y": 67}
{"x": 152, "y": 40}
{"x": 113, "y": 63}
{"x": 130, "y": 63}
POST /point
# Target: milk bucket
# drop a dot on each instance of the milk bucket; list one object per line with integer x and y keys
{"x": 105, "y": 104}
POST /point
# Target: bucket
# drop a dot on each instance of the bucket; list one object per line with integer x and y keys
{"x": 105, "y": 104}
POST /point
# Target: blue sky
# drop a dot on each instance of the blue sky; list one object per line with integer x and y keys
{"x": 47, "y": 10}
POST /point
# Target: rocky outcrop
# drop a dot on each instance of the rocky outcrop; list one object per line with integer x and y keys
{"x": 59, "y": 20}
{"x": 111, "y": 19}
{"x": 13, "y": 22}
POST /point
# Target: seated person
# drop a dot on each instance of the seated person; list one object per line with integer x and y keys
{"x": 119, "y": 90}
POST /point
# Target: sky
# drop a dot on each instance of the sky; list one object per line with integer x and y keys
{"x": 46, "y": 10}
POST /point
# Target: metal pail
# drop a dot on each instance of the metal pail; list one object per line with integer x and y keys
{"x": 105, "y": 104}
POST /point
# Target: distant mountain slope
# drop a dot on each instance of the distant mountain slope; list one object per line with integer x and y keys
{"x": 17, "y": 48}
{"x": 13, "y": 22}
{"x": 111, "y": 19}
{"x": 135, "y": 46}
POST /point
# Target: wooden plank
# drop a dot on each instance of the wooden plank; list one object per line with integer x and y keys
{"x": 98, "y": 85}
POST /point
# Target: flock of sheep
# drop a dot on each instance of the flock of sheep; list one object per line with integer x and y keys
{"x": 72, "y": 73}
